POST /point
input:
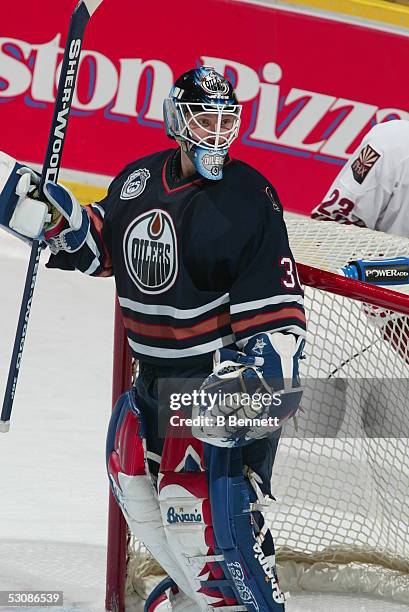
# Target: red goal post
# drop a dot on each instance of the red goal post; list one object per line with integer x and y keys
{"x": 117, "y": 527}
{"x": 354, "y": 328}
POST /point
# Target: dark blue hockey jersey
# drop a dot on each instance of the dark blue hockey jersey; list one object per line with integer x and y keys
{"x": 198, "y": 264}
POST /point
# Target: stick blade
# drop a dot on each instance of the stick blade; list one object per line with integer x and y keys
{"x": 92, "y": 5}
{"x": 4, "y": 426}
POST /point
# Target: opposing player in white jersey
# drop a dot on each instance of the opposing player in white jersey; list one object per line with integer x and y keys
{"x": 372, "y": 189}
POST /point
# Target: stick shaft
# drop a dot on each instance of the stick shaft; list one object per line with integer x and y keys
{"x": 51, "y": 167}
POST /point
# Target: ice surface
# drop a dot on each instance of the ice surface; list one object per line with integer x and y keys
{"x": 53, "y": 509}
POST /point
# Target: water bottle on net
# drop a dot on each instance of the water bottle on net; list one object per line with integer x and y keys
{"x": 389, "y": 272}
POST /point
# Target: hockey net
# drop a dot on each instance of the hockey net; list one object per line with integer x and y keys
{"x": 341, "y": 480}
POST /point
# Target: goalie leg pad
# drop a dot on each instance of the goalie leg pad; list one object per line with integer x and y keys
{"x": 166, "y": 596}
{"x": 133, "y": 487}
{"x": 187, "y": 517}
{"x": 260, "y": 456}
{"x": 240, "y": 532}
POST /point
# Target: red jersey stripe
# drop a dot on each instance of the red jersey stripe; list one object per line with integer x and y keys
{"x": 168, "y": 332}
{"x": 267, "y": 317}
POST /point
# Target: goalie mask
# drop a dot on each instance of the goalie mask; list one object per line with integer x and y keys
{"x": 202, "y": 113}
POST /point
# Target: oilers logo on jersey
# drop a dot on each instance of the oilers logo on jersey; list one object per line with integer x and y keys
{"x": 150, "y": 251}
{"x": 135, "y": 184}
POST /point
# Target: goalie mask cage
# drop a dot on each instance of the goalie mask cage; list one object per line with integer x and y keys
{"x": 341, "y": 519}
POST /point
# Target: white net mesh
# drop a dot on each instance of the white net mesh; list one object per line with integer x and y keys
{"x": 341, "y": 520}
{"x": 329, "y": 245}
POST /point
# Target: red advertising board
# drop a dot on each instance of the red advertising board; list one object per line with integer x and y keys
{"x": 311, "y": 87}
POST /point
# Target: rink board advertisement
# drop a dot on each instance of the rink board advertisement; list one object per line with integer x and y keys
{"x": 311, "y": 87}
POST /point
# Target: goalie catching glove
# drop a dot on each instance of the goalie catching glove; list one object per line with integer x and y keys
{"x": 60, "y": 221}
{"x": 250, "y": 394}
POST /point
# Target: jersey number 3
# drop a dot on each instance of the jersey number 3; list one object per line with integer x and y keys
{"x": 290, "y": 280}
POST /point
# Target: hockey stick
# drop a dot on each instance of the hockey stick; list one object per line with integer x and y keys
{"x": 79, "y": 19}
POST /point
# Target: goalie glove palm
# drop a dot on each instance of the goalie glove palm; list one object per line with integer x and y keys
{"x": 250, "y": 394}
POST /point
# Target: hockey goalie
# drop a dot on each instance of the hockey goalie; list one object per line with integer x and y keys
{"x": 209, "y": 293}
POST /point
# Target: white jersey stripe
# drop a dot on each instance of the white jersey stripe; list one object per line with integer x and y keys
{"x": 291, "y": 329}
{"x": 94, "y": 265}
{"x": 171, "y": 311}
{"x": 275, "y": 299}
{"x": 92, "y": 245}
{"x": 199, "y": 349}
{"x": 99, "y": 208}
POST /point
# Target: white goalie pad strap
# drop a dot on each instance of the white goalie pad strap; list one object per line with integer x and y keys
{"x": 201, "y": 560}
{"x": 177, "y": 604}
{"x": 287, "y": 346}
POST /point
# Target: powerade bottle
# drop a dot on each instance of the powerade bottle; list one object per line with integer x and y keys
{"x": 390, "y": 271}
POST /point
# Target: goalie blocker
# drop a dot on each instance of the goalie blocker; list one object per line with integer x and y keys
{"x": 20, "y": 213}
{"x": 61, "y": 222}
